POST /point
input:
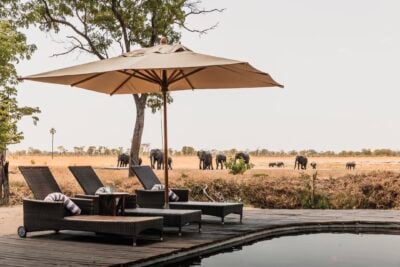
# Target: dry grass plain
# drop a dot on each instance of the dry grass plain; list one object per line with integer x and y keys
{"x": 372, "y": 185}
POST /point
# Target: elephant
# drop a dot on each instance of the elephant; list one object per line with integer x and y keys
{"x": 245, "y": 157}
{"x": 169, "y": 163}
{"x": 280, "y": 164}
{"x": 301, "y": 161}
{"x": 313, "y": 165}
{"x": 123, "y": 160}
{"x": 350, "y": 165}
{"x": 157, "y": 159}
{"x": 205, "y": 160}
{"x": 220, "y": 159}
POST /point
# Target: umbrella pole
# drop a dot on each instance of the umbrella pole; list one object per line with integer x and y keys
{"x": 164, "y": 93}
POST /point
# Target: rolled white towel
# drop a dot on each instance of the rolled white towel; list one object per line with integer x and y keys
{"x": 68, "y": 203}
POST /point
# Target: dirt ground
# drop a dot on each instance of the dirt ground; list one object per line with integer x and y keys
{"x": 10, "y": 219}
{"x": 327, "y": 167}
{"x": 332, "y": 175}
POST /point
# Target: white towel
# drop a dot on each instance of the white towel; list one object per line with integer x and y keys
{"x": 172, "y": 196}
{"x": 68, "y": 203}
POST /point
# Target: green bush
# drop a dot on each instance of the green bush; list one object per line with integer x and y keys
{"x": 236, "y": 166}
{"x": 316, "y": 201}
{"x": 310, "y": 199}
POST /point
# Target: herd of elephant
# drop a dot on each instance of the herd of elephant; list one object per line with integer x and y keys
{"x": 156, "y": 160}
{"x": 206, "y": 161}
{"x": 301, "y": 162}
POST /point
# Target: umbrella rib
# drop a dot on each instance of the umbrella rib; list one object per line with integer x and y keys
{"x": 186, "y": 75}
{"x": 87, "y": 79}
{"x": 150, "y": 78}
{"x": 122, "y": 84}
{"x": 154, "y": 75}
{"x": 187, "y": 80}
{"x": 139, "y": 77}
{"x": 173, "y": 75}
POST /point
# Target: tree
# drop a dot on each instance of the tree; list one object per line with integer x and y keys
{"x": 188, "y": 150}
{"x": 76, "y": 150}
{"x": 79, "y": 150}
{"x": 102, "y": 26}
{"x": 61, "y": 150}
{"x": 52, "y": 132}
{"x": 13, "y": 48}
{"x": 34, "y": 151}
{"x": 91, "y": 150}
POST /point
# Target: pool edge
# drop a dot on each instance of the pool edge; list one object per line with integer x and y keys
{"x": 273, "y": 232}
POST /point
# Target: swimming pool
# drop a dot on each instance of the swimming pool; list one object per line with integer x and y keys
{"x": 312, "y": 250}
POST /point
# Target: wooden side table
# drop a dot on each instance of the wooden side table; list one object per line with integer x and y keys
{"x": 110, "y": 203}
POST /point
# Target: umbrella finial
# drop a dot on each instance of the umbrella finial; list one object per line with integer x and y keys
{"x": 163, "y": 40}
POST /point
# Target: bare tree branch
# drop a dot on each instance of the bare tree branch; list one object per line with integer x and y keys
{"x": 119, "y": 41}
{"x": 66, "y": 52}
{"x": 93, "y": 48}
{"x": 195, "y": 10}
{"x": 75, "y": 46}
{"x": 203, "y": 11}
{"x": 105, "y": 36}
{"x": 202, "y": 31}
{"x": 118, "y": 16}
{"x": 79, "y": 16}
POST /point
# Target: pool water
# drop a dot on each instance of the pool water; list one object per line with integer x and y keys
{"x": 313, "y": 250}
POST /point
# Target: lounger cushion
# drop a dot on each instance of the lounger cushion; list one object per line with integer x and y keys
{"x": 172, "y": 196}
{"x": 103, "y": 190}
{"x": 68, "y": 203}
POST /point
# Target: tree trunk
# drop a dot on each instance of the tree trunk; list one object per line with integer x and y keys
{"x": 140, "y": 102}
{"x": 2, "y": 175}
{"x": 4, "y": 184}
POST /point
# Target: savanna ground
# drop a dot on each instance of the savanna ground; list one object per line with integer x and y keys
{"x": 374, "y": 183}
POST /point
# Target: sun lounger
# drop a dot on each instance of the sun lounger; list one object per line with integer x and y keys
{"x": 40, "y": 215}
{"x": 149, "y": 198}
{"x": 42, "y": 183}
{"x": 90, "y": 182}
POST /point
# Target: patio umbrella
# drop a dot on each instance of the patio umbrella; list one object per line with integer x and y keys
{"x": 159, "y": 69}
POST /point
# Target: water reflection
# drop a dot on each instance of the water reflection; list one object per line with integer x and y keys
{"x": 314, "y": 250}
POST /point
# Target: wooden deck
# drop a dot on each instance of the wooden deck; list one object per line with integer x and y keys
{"x": 80, "y": 249}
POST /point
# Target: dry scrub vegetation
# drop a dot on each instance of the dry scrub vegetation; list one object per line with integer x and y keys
{"x": 374, "y": 184}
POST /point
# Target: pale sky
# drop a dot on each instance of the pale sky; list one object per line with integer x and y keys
{"x": 339, "y": 62}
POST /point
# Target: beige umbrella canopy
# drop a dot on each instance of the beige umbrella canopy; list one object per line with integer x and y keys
{"x": 159, "y": 69}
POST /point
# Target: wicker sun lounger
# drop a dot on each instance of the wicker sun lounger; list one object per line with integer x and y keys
{"x": 42, "y": 183}
{"x": 90, "y": 182}
{"x": 154, "y": 199}
{"x": 40, "y": 215}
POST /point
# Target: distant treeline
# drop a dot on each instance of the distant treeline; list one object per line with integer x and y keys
{"x": 190, "y": 151}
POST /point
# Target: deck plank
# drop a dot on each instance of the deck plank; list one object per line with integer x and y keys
{"x": 86, "y": 249}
